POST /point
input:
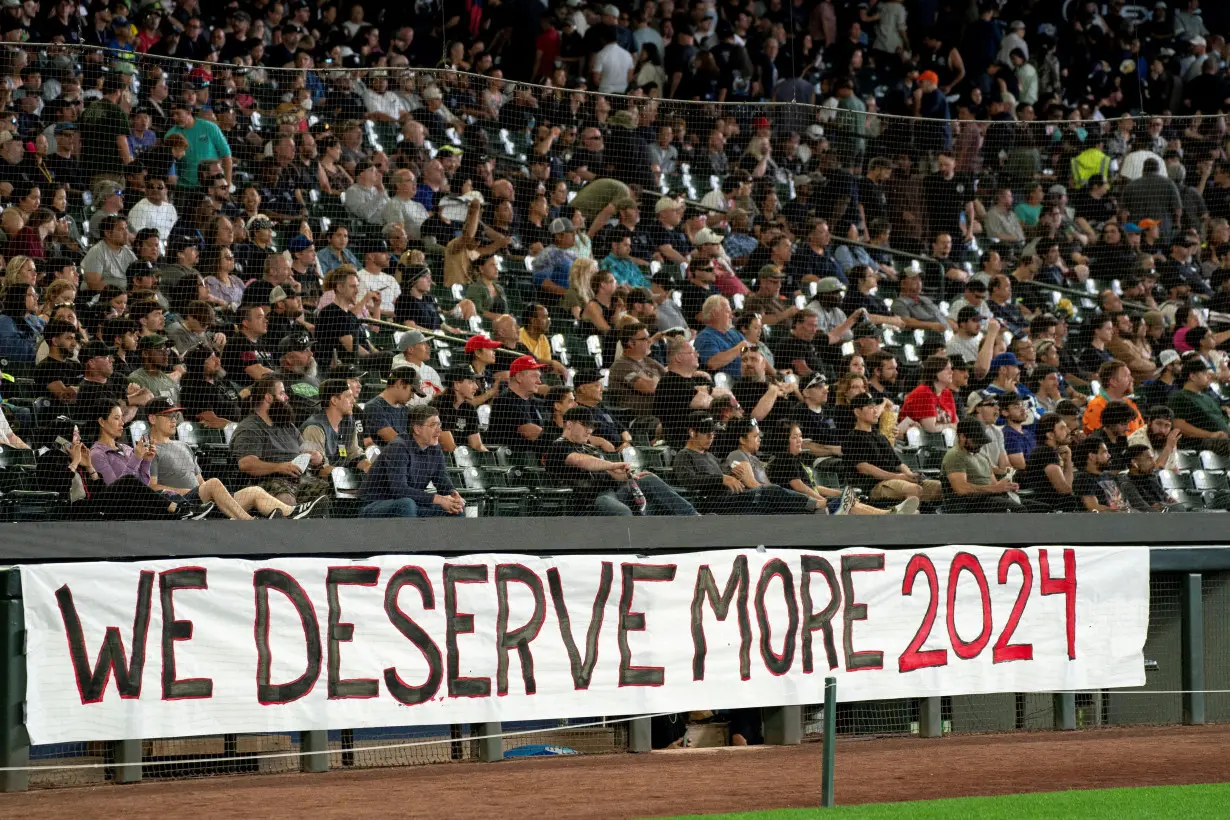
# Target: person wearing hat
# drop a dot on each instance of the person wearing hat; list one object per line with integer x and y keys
{"x": 602, "y": 487}
{"x": 332, "y": 430}
{"x": 768, "y": 300}
{"x": 459, "y": 422}
{"x": 192, "y": 328}
{"x": 608, "y": 434}
{"x": 251, "y": 255}
{"x": 619, "y": 261}
{"x": 516, "y": 419}
{"x": 1156, "y": 391}
{"x": 205, "y": 142}
{"x": 1005, "y": 372}
{"x": 971, "y": 486}
{"x": 872, "y": 464}
{"x": 297, "y": 370}
{"x": 481, "y": 351}
{"x": 207, "y": 396}
{"x": 153, "y": 374}
{"x": 366, "y": 198}
{"x": 1197, "y": 415}
{"x": 183, "y": 254}
{"x": 664, "y": 236}
{"x": 551, "y": 267}
{"x": 413, "y": 351}
{"x": 99, "y": 386}
{"x": 374, "y": 279}
{"x": 285, "y": 312}
{"x": 154, "y": 211}
{"x": 384, "y": 416}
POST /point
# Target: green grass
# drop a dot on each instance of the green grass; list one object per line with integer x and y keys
{"x": 1153, "y": 802}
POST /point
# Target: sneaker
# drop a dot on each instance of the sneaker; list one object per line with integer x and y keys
{"x": 848, "y": 500}
{"x": 907, "y": 507}
{"x": 276, "y": 514}
{"x": 198, "y": 513}
{"x": 316, "y": 508}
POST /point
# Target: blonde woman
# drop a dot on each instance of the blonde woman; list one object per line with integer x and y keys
{"x": 21, "y": 269}
{"x": 59, "y": 292}
{"x": 579, "y": 294}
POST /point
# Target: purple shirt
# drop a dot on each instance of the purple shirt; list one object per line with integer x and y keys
{"x": 115, "y": 463}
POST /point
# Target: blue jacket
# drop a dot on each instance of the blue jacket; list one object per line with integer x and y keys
{"x": 403, "y": 470}
{"x": 19, "y": 339}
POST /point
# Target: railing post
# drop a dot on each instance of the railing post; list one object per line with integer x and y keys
{"x": 1192, "y": 648}
{"x": 828, "y": 753}
{"x": 313, "y": 746}
{"x": 14, "y": 741}
{"x": 1064, "y": 704}
{"x": 930, "y": 721}
{"x": 490, "y": 744}
{"x": 127, "y": 761}
{"x": 783, "y": 726}
{"x": 640, "y": 734}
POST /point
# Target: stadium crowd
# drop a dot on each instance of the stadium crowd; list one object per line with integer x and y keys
{"x": 273, "y": 260}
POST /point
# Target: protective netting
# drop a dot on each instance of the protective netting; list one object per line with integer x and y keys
{"x": 241, "y": 291}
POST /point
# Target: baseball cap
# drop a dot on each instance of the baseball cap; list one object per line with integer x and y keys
{"x": 701, "y": 422}
{"x": 523, "y": 363}
{"x": 985, "y": 400}
{"x": 294, "y": 343}
{"x": 1003, "y": 359}
{"x": 705, "y": 236}
{"x": 277, "y": 295}
{"x": 1194, "y": 364}
{"x": 458, "y": 373}
{"x": 581, "y": 415}
{"x": 1168, "y": 357}
{"x": 65, "y": 127}
{"x": 410, "y": 338}
{"x": 929, "y": 77}
{"x": 560, "y": 225}
{"x": 829, "y": 284}
{"x": 1131, "y": 227}
{"x": 770, "y": 272}
{"x": 973, "y": 430}
{"x": 95, "y": 349}
{"x": 816, "y": 379}
{"x": 666, "y": 203}
{"x": 1145, "y": 224}
{"x": 862, "y": 400}
{"x": 160, "y": 406}
{"x": 585, "y": 375}
{"x": 105, "y": 188}
{"x": 139, "y": 268}
{"x": 299, "y": 244}
{"x": 480, "y": 342}
{"x": 260, "y": 222}
{"x": 154, "y": 341}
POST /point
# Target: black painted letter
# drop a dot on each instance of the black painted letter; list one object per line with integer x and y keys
{"x": 341, "y": 632}
{"x": 850, "y": 564}
{"x": 630, "y": 621}
{"x": 398, "y": 688}
{"x": 777, "y": 664}
{"x": 91, "y": 684}
{"x": 264, "y": 580}
{"x": 173, "y": 630}
{"x": 461, "y": 623}
{"x": 582, "y": 670}
{"x": 706, "y": 589}
{"x": 519, "y": 639}
{"x": 822, "y": 620}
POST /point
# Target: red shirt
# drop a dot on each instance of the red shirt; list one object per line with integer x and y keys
{"x": 548, "y": 44}
{"x": 923, "y": 403}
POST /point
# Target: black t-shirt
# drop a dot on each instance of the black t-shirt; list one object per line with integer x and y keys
{"x": 50, "y": 371}
{"x": 658, "y": 235}
{"x": 461, "y": 421}
{"x": 693, "y": 297}
{"x": 945, "y": 200}
{"x": 1098, "y": 486}
{"x": 508, "y": 412}
{"x": 1117, "y": 449}
{"x": 838, "y": 185}
{"x": 379, "y": 414}
{"x": 867, "y": 447}
{"x": 92, "y": 396}
{"x": 672, "y": 405}
{"x": 818, "y": 428}
{"x": 1093, "y": 211}
{"x": 585, "y": 484}
{"x": 331, "y": 325}
{"x": 258, "y": 292}
{"x": 197, "y": 396}
{"x": 1034, "y": 476}
{"x": 423, "y": 312}
{"x": 241, "y": 353}
{"x": 791, "y": 347}
{"x": 785, "y": 468}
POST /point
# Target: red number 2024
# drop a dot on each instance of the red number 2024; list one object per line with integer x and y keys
{"x": 915, "y": 657}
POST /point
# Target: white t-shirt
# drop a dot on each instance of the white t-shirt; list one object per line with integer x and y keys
{"x": 432, "y": 385}
{"x": 384, "y": 284}
{"x": 889, "y": 27}
{"x": 613, "y": 63}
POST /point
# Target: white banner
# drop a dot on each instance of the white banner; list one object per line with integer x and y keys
{"x": 164, "y": 649}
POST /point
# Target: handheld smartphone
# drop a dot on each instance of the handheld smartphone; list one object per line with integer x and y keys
{"x": 63, "y": 443}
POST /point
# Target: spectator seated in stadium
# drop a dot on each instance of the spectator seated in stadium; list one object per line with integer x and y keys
{"x": 1140, "y": 484}
{"x": 57, "y": 376}
{"x": 414, "y": 350}
{"x": 602, "y": 487}
{"x": 100, "y": 385}
{"x": 207, "y": 396}
{"x": 516, "y": 419}
{"x": 21, "y": 329}
{"x": 607, "y": 433}
{"x": 765, "y": 398}
{"x": 634, "y": 377}
{"x": 174, "y": 472}
{"x": 459, "y": 422}
{"x": 384, "y": 416}
{"x": 932, "y": 404}
{"x": 332, "y": 432}
{"x": 267, "y": 448}
{"x": 719, "y": 345}
{"x": 552, "y": 265}
{"x": 871, "y": 463}
{"x": 1019, "y": 437}
{"x": 154, "y": 374}
{"x": 246, "y": 357}
{"x": 1094, "y": 484}
{"x": 1050, "y": 471}
{"x": 1197, "y": 413}
{"x": 396, "y": 485}
{"x": 682, "y": 389}
{"x": 1160, "y": 435}
{"x": 340, "y": 336}
{"x": 969, "y": 474}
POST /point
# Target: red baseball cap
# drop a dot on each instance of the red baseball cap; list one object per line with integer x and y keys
{"x": 523, "y": 363}
{"x": 761, "y": 122}
{"x": 480, "y": 342}
{"x": 929, "y": 76}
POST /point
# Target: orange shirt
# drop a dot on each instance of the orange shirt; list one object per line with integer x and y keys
{"x": 1092, "y": 420}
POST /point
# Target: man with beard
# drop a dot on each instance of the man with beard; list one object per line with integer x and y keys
{"x": 153, "y": 374}
{"x": 972, "y": 486}
{"x": 1048, "y": 470}
{"x": 245, "y": 357}
{"x": 341, "y": 335}
{"x": 285, "y": 313}
{"x": 207, "y": 397}
{"x": 267, "y": 442}
{"x": 297, "y": 370}
{"x": 122, "y": 333}
{"x": 1160, "y": 435}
